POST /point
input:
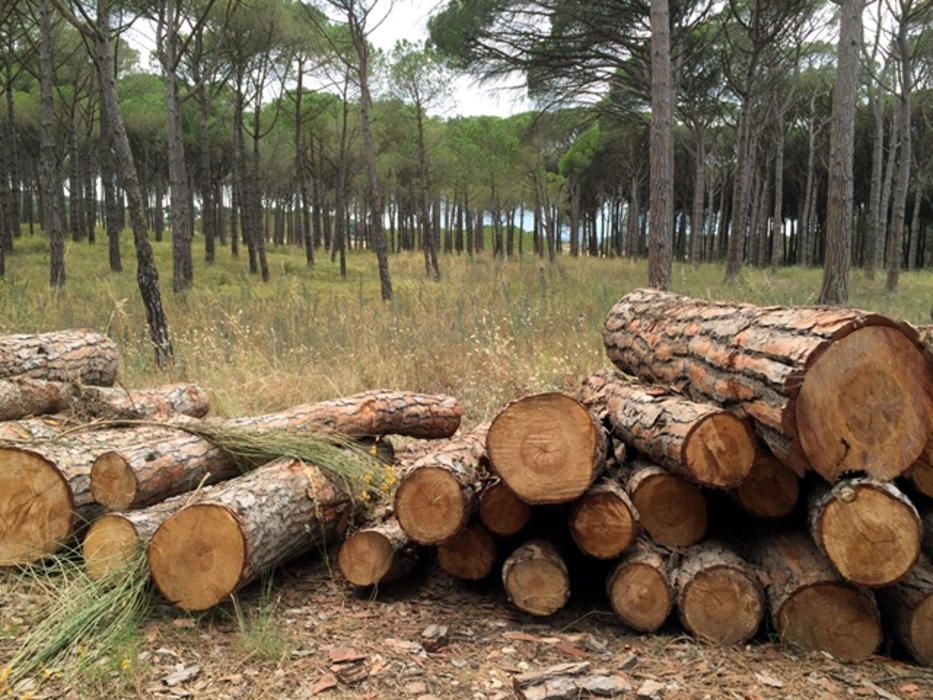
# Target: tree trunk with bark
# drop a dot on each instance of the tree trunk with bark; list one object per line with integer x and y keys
{"x": 52, "y": 218}
{"x": 902, "y": 182}
{"x": 662, "y": 149}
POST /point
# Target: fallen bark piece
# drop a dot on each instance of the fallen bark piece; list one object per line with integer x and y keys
{"x": 436, "y": 497}
{"x": 71, "y": 355}
{"x": 840, "y": 390}
{"x": 704, "y": 443}
{"x": 771, "y": 490}
{"x": 535, "y": 578}
{"x": 908, "y": 611}
{"x": 639, "y": 587}
{"x": 719, "y": 598}
{"x": 869, "y": 530}
{"x": 530, "y": 678}
{"x": 500, "y": 510}
{"x": 811, "y": 606}
{"x": 435, "y": 637}
{"x": 470, "y": 555}
{"x": 604, "y": 522}
{"x": 377, "y": 554}
{"x": 670, "y": 509}
{"x": 206, "y": 551}
{"x": 547, "y": 448}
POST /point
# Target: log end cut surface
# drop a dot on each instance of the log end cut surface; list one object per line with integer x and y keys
{"x": 603, "y": 526}
{"x": 365, "y": 558}
{"x": 641, "y": 596}
{"x": 198, "y": 556}
{"x": 536, "y": 579}
{"x": 113, "y": 483}
{"x": 770, "y": 491}
{"x": 865, "y": 405}
{"x": 469, "y": 555}
{"x": 671, "y": 510}
{"x": 720, "y": 451}
{"x": 35, "y": 507}
{"x": 109, "y": 546}
{"x": 921, "y": 631}
{"x": 831, "y": 617}
{"x": 546, "y": 448}
{"x": 722, "y": 605}
{"x": 430, "y": 505}
{"x": 502, "y": 512}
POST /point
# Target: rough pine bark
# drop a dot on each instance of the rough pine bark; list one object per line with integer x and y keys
{"x": 53, "y": 221}
{"x": 660, "y": 252}
{"x": 902, "y": 182}
{"x": 71, "y": 355}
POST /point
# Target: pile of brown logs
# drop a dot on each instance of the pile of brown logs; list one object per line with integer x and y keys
{"x": 747, "y": 468}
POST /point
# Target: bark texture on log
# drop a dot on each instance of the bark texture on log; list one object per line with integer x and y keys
{"x": 719, "y": 598}
{"x": 771, "y": 489}
{"x": 702, "y": 442}
{"x": 377, "y": 554}
{"x": 670, "y": 509}
{"x": 810, "y": 604}
{"x": 869, "y": 530}
{"x": 640, "y": 588}
{"x": 32, "y": 429}
{"x": 547, "y": 448}
{"x": 470, "y": 555}
{"x": 535, "y": 578}
{"x": 436, "y": 496}
{"x": 908, "y": 611}
{"x": 206, "y": 551}
{"x": 604, "y": 521}
{"x": 72, "y": 355}
{"x": 836, "y": 389}
{"x": 921, "y": 473}
{"x": 500, "y": 510}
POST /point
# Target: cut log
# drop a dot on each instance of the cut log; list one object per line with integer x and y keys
{"x": 547, "y": 448}
{"x": 771, "y": 489}
{"x": 377, "y": 554}
{"x": 206, "y": 551}
{"x": 908, "y": 611}
{"x": 500, "y": 510}
{"x": 701, "y": 442}
{"x": 535, "y": 578}
{"x": 927, "y": 545}
{"x": 869, "y": 530}
{"x": 436, "y": 497}
{"x": 604, "y": 522}
{"x": 470, "y": 555}
{"x": 719, "y": 598}
{"x": 921, "y": 473}
{"x": 151, "y": 470}
{"x": 670, "y": 509}
{"x": 640, "y": 588}
{"x": 812, "y": 606}
{"x": 73, "y": 355}
{"x": 23, "y": 396}
{"x": 839, "y": 389}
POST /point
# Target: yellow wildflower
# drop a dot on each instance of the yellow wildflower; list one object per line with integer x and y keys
{"x": 5, "y": 674}
{"x": 126, "y": 665}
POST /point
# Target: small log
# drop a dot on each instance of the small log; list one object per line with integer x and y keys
{"x": 72, "y": 355}
{"x": 921, "y": 473}
{"x": 470, "y": 555}
{"x": 840, "y": 390}
{"x": 500, "y": 510}
{"x": 719, "y": 598}
{"x": 704, "y": 443}
{"x": 604, "y": 522}
{"x": 771, "y": 489}
{"x": 908, "y": 611}
{"x": 206, "y": 551}
{"x": 869, "y": 530}
{"x": 377, "y": 554}
{"x": 149, "y": 470}
{"x": 812, "y": 606}
{"x": 639, "y": 587}
{"x": 547, "y": 448}
{"x": 927, "y": 545}
{"x": 670, "y": 509}
{"x": 436, "y": 497}
{"x": 535, "y": 578}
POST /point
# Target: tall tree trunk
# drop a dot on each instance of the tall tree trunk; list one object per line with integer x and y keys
{"x": 662, "y": 149}
{"x": 111, "y": 192}
{"x": 806, "y": 225}
{"x": 914, "y": 245}
{"x": 842, "y": 152}
{"x": 302, "y": 211}
{"x": 875, "y": 243}
{"x": 894, "y": 142}
{"x": 777, "y": 220}
{"x": 699, "y": 183}
{"x": 898, "y": 210}
{"x": 51, "y": 183}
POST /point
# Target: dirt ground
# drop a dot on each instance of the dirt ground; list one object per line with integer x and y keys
{"x": 306, "y": 634}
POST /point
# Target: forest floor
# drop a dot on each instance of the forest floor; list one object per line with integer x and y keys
{"x": 489, "y": 331}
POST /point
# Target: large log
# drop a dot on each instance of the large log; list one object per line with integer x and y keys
{"x": 206, "y": 551}
{"x": 547, "y": 448}
{"x": 24, "y": 396}
{"x": 702, "y": 442}
{"x": 436, "y": 496}
{"x": 670, "y": 509}
{"x": 470, "y": 555}
{"x": 535, "y": 578}
{"x": 604, "y": 521}
{"x": 869, "y": 530}
{"x": 908, "y": 611}
{"x": 840, "y": 390}
{"x": 812, "y": 606}
{"x": 154, "y": 470}
{"x": 500, "y": 510}
{"x": 71, "y": 355}
{"x": 771, "y": 489}
{"x": 639, "y": 587}
{"x": 377, "y": 554}
{"x": 719, "y": 598}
